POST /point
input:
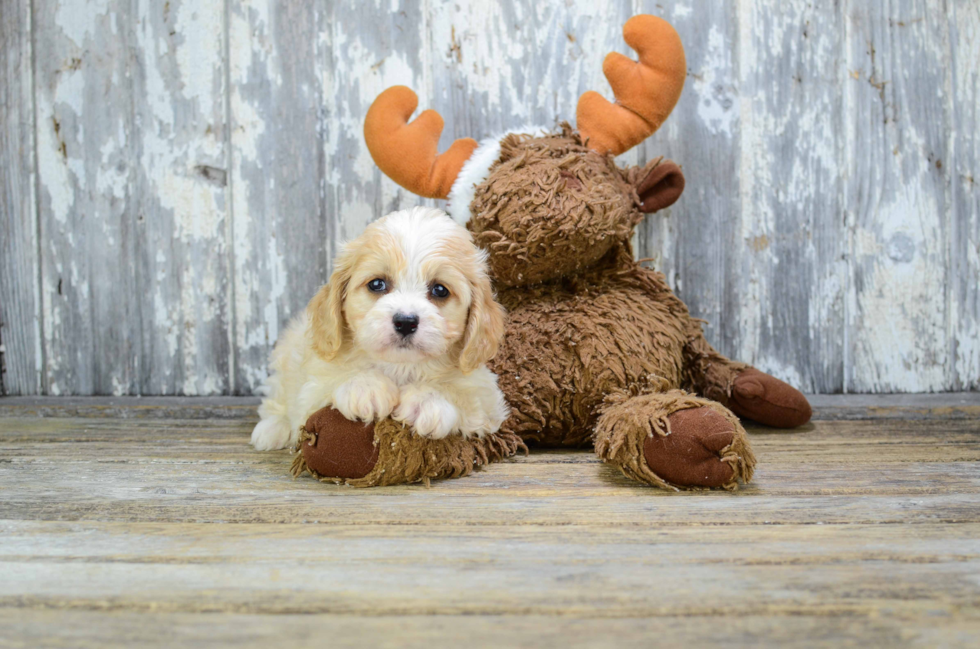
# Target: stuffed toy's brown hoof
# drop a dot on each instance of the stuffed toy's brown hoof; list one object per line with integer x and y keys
{"x": 338, "y": 447}
{"x": 767, "y": 400}
{"x": 691, "y": 454}
{"x": 674, "y": 440}
{"x": 335, "y": 449}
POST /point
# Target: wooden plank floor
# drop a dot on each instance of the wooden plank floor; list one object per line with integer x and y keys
{"x": 152, "y": 523}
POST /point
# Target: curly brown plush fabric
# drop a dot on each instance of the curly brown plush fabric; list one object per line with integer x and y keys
{"x": 634, "y": 430}
{"x": 584, "y": 318}
{"x": 547, "y": 210}
{"x": 402, "y": 456}
{"x": 598, "y": 350}
{"x": 571, "y": 343}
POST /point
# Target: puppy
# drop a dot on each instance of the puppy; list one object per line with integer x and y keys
{"x": 403, "y": 328}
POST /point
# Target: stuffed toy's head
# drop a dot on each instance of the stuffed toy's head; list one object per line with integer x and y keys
{"x": 547, "y": 204}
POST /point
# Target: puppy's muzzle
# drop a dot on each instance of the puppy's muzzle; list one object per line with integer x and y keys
{"x": 404, "y": 324}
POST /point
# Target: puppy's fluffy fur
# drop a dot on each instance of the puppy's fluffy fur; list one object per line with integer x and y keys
{"x": 346, "y": 352}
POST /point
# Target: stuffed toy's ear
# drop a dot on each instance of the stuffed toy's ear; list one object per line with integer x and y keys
{"x": 660, "y": 187}
{"x": 326, "y": 310}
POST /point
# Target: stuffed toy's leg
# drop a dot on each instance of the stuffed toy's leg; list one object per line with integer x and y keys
{"x": 749, "y": 393}
{"x": 334, "y": 449}
{"x": 674, "y": 440}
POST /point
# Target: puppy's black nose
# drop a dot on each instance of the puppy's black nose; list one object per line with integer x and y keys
{"x": 405, "y": 325}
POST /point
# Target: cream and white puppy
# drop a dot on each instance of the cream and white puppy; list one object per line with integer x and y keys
{"x": 403, "y": 328}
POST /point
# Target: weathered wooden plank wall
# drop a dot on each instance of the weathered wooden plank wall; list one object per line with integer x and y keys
{"x": 964, "y": 232}
{"x": 175, "y": 176}
{"x": 20, "y": 335}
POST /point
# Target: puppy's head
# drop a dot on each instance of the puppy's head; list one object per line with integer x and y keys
{"x": 412, "y": 287}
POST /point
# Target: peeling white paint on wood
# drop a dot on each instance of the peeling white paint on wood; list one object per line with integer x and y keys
{"x": 180, "y": 90}
{"x": 964, "y": 234}
{"x": 895, "y": 157}
{"x": 790, "y": 218}
{"x": 696, "y": 242}
{"x": 85, "y": 59}
{"x": 198, "y": 164}
{"x": 278, "y": 173}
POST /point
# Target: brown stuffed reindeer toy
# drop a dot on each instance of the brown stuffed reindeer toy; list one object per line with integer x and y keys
{"x": 598, "y": 350}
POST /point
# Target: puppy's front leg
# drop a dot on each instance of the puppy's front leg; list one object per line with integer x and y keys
{"x": 425, "y": 409}
{"x": 369, "y": 396}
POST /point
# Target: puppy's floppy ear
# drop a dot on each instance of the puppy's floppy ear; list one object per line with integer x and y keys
{"x": 326, "y": 310}
{"x": 484, "y": 327}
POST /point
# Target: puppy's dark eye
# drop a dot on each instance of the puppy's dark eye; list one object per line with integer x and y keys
{"x": 377, "y": 285}
{"x": 439, "y": 291}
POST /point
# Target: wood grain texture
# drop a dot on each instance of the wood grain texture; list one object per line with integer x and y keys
{"x": 146, "y": 531}
{"x": 281, "y": 119}
{"x": 955, "y": 405}
{"x": 182, "y": 197}
{"x": 507, "y": 65}
{"x": 574, "y": 572}
{"x": 68, "y": 628}
{"x": 197, "y": 168}
{"x": 391, "y": 52}
{"x": 897, "y": 165}
{"x": 964, "y": 232}
{"x": 791, "y": 233}
{"x": 87, "y": 175}
{"x": 696, "y": 242}
{"x": 20, "y": 304}
{"x": 157, "y": 471}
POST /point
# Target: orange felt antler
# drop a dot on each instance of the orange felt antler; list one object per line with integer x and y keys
{"x": 408, "y": 153}
{"x": 646, "y": 91}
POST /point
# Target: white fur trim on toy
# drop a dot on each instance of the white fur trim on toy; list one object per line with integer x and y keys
{"x": 476, "y": 170}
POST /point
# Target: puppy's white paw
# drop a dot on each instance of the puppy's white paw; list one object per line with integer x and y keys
{"x": 477, "y": 425}
{"x": 367, "y": 397}
{"x": 271, "y": 433}
{"x": 428, "y": 412}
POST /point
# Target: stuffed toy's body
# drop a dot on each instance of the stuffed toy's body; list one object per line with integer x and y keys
{"x": 598, "y": 350}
